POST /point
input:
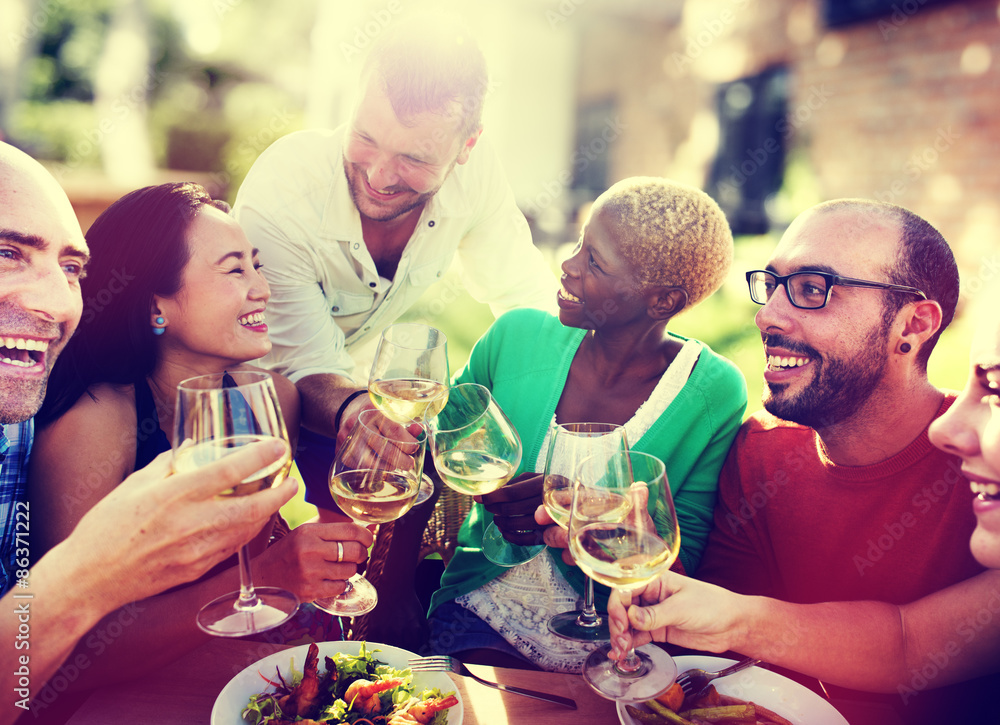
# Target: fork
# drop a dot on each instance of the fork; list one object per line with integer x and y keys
{"x": 444, "y": 663}
{"x": 695, "y": 682}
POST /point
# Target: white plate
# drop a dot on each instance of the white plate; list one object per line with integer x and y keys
{"x": 235, "y": 696}
{"x": 768, "y": 689}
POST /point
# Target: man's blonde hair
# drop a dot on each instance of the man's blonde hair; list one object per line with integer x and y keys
{"x": 670, "y": 233}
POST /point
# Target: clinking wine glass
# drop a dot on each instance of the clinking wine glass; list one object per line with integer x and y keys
{"x": 374, "y": 479}
{"x": 578, "y": 449}
{"x": 476, "y": 450}
{"x": 409, "y": 377}
{"x": 623, "y": 532}
{"x": 216, "y": 415}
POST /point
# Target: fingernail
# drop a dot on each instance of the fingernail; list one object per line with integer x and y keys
{"x": 278, "y": 446}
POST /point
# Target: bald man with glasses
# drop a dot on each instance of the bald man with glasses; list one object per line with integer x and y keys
{"x": 840, "y": 549}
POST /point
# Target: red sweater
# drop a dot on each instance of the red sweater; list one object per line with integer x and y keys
{"x": 793, "y": 525}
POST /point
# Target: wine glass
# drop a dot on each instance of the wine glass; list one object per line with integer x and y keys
{"x": 215, "y": 415}
{"x": 578, "y": 449}
{"x": 476, "y": 450}
{"x": 409, "y": 377}
{"x": 623, "y": 532}
{"x": 374, "y": 480}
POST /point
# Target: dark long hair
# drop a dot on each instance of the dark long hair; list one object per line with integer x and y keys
{"x": 138, "y": 249}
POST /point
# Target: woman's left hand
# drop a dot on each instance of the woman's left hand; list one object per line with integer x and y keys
{"x": 513, "y": 507}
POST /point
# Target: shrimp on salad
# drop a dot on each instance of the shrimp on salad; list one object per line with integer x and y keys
{"x": 362, "y": 695}
{"x": 354, "y": 689}
{"x": 421, "y": 711}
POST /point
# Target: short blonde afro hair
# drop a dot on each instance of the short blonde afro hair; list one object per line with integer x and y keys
{"x": 670, "y": 233}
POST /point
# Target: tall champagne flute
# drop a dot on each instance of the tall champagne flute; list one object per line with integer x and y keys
{"x": 374, "y": 479}
{"x": 476, "y": 450}
{"x": 570, "y": 446}
{"x": 409, "y": 377}
{"x": 215, "y": 415}
{"x": 623, "y": 532}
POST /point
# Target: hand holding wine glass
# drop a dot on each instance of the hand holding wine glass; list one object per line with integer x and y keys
{"x": 215, "y": 416}
{"x": 374, "y": 479}
{"x": 623, "y": 532}
{"x": 578, "y": 450}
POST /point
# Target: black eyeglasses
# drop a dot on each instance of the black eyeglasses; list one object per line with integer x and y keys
{"x": 810, "y": 290}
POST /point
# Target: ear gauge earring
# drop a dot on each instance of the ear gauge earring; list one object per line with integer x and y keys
{"x": 905, "y": 348}
{"x": 159, "y": 326}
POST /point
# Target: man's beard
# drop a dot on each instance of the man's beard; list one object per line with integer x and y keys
{"x": 20, "y": 400}
{"x": 384, "y": 214}
{"x": 839, "y": 387}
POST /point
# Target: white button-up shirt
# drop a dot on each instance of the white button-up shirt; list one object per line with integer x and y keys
{"x": 326, "y": 294}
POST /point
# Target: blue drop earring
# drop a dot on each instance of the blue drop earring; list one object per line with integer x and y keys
{"x": 159, "y": 326}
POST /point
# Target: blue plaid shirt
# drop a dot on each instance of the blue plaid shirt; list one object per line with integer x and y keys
{"x": 13, "y": 488}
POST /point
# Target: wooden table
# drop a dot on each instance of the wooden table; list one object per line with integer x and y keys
{"x": 184, "y": 692}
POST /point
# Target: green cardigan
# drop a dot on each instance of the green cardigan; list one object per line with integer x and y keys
{"x": 524, "y": 360}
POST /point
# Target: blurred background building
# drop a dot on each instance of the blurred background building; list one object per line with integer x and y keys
{"x": 770, "y": 105}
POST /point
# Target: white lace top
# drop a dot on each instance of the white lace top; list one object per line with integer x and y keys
{"x": 519, "y": 603}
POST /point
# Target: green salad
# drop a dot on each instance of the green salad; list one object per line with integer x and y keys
{"x": 347, "y": 689}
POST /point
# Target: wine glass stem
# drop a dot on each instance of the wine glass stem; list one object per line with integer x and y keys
{"x": 588, "y": 616}
{"x": 248, "y": 597}
{"x": 630, "y": 665}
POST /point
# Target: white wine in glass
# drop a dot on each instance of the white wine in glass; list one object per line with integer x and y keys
{"x": 409, "y": 377}
{"x": 570, "y": 445}
{"x": 626, "y": 545}
{"x": 215, "y": 416}
{"x": 374, "y": 479}
{"x": 476, "y": 450}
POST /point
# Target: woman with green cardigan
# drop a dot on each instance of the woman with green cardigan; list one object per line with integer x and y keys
{"x": 651, "y": 248}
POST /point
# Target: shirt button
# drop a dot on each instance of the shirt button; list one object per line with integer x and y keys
{"x": 356, "y": 245}
{"x": 430, "y": 223}
{"x": 335, "y": 309}
{"x": 439, "y": 274}
{"x": 371, "y": 284}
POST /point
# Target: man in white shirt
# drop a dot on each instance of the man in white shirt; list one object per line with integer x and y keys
{"x": 354, "y": 224}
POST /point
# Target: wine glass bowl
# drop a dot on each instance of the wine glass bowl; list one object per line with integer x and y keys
{"x": 375, "y": 479}
{"x": 476, "y": 450}
{"x": 578, "y": 449}
{"x": 216, "y": 415}
{"x": 623, "y": 532}
{"x": 475, "y": 447}
{"x": 409, "y": 375}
